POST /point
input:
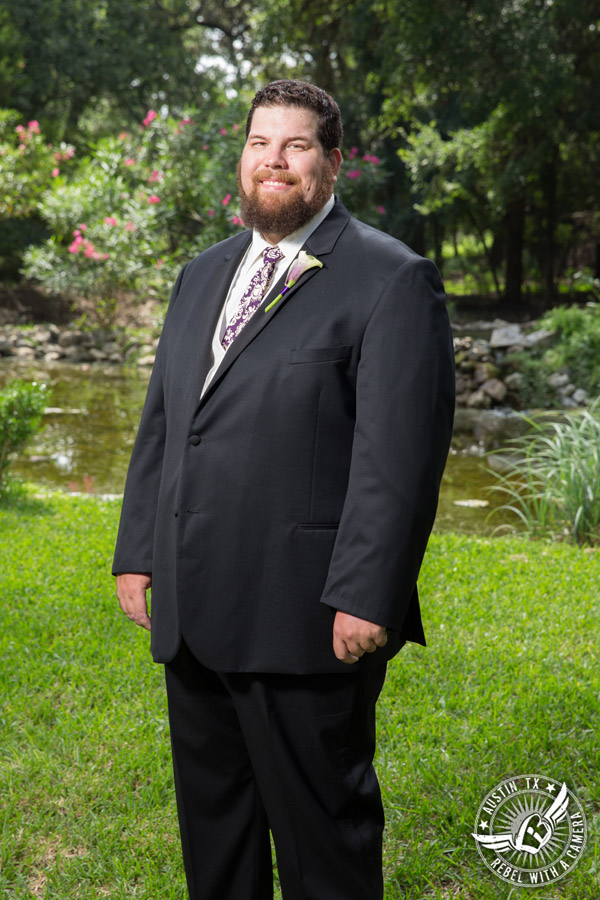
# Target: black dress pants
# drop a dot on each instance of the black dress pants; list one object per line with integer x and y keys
{"x": 289, "y": 753}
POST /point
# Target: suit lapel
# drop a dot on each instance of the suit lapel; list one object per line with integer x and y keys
{"x": 320, "y": 243}
{"x": 216, "y": 292}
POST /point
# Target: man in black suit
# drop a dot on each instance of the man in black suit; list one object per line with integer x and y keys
{"x": 279, "y": 500}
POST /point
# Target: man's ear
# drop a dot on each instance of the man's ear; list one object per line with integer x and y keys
{"x": 335, "y": 160}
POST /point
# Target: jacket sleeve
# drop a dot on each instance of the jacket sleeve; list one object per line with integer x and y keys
{"x": 404, "y": 413}
{"x": 135, "y": 539}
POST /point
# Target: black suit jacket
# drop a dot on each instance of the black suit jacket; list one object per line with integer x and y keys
{"x": 306, "y": 478}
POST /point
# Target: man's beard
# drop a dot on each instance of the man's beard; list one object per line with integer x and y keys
{"x": 281, "y": 214}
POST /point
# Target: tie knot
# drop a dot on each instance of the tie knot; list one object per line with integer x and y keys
{"x": 272, "y": 255}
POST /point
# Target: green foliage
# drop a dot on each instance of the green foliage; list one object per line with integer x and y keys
{"x": 138, "y": 207}
{"x": 28, "y": 166}
{"x": 508, "y": 684}
{"x": 575, "y": 349}
{"x": 360, "y": 181}
{"x": 585, "y": 281}
{"x": 21, "y": 407}
{"x": 497, "y": 133}
{"x": 535, "y": 390}
{"x": 577, "y": 343}
{"x": 554, "y": 483}
{"x": 507, "y": 95}
{"x": 77, "y": 64}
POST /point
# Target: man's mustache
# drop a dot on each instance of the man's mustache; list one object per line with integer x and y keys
{"x": 266, "y": 175}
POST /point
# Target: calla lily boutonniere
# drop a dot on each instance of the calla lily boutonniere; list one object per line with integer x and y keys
{"x": 303, "y": 262}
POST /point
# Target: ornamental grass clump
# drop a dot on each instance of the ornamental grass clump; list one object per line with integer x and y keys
{"x": 21, "y": 407}
{"x": 553, "y": 482}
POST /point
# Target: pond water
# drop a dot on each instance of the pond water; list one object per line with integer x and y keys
{"x": 91, "y": 422}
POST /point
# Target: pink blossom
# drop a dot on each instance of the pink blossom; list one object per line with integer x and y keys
{"x": 82, "y": 227}
{"x": 77, "y": 234}
{"x": 150, "y": 117}
{"x": 105, "y": 256}
{"x": 185, "y": 122}
{"x": 123, "y": 135}
{"x": 355, "y": 173}
{"x": 129, "y": 226}
{"x": 110, "y": 220}
{"x": 353, "y": 152}
{"x": 20, "y": 129}
{"x": 75, "y": 247}
{"x": 381, "y": 210}
{"x": 34, "y": 126}
{"x": 22, "y": 148}
{"x": 55, "y": 172}
{"x": 153, "y": 199}
{"x": 237, "y": 221}
{"x": 211, "y": 213}
{"x": 62, "y": 155}
{"x": 159, "y": 263}
{"x": 222, "y": 131}
{"x": 155, "y": 176}
{"x": 89, "y": 250}
{"x": 226, "y": 199}
{"x": 205, "y": 146}
{"x": 236, "y": 127}
{"x": 368, "y": 157}
{"x": 129, "y": 162}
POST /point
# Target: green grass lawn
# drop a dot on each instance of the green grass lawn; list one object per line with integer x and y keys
{"x": 509, "y": 685}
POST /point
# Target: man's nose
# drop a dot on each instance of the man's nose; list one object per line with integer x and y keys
{"x": 276, "y": 159}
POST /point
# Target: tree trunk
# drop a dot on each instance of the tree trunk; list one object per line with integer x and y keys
{"x": 548, "y": 244}
{"x": 438, "y": 237}
{"x": 514, "y": 225}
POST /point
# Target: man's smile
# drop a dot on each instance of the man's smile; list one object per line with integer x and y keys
{"x": 276, "y": 185}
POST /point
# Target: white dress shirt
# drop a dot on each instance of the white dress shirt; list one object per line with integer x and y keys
{"x": 290, "y": 246}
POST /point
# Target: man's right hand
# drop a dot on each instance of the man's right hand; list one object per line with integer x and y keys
{"x": 131, "y": 591}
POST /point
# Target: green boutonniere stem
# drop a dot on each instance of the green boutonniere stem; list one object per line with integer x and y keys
{"x": 277, "y": 298}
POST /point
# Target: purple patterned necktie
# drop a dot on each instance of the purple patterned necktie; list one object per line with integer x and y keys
{"x": 253, "y": 295}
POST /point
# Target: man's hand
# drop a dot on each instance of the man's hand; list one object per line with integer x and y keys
{"x": 131, "y": 591}
{"x": 352, "y": 637}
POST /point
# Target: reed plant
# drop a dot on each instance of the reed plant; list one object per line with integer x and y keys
{"x": 553, "y": 480}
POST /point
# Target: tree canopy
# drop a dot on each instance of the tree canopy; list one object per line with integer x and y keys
{"x": 481, "y": 112}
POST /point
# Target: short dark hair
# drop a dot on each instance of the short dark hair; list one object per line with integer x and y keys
{"x": 301, "y": 93}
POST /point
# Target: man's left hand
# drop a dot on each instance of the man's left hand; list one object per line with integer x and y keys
{"x": 353, "y": 637}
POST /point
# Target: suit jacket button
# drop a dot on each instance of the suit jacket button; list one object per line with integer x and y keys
{"x": 195, "y": 440}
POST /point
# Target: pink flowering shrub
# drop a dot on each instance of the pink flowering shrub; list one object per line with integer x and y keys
{"x": 149, "y": 200}
{"x": 360, "y": 184}
{"x": 28, "y": 165}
